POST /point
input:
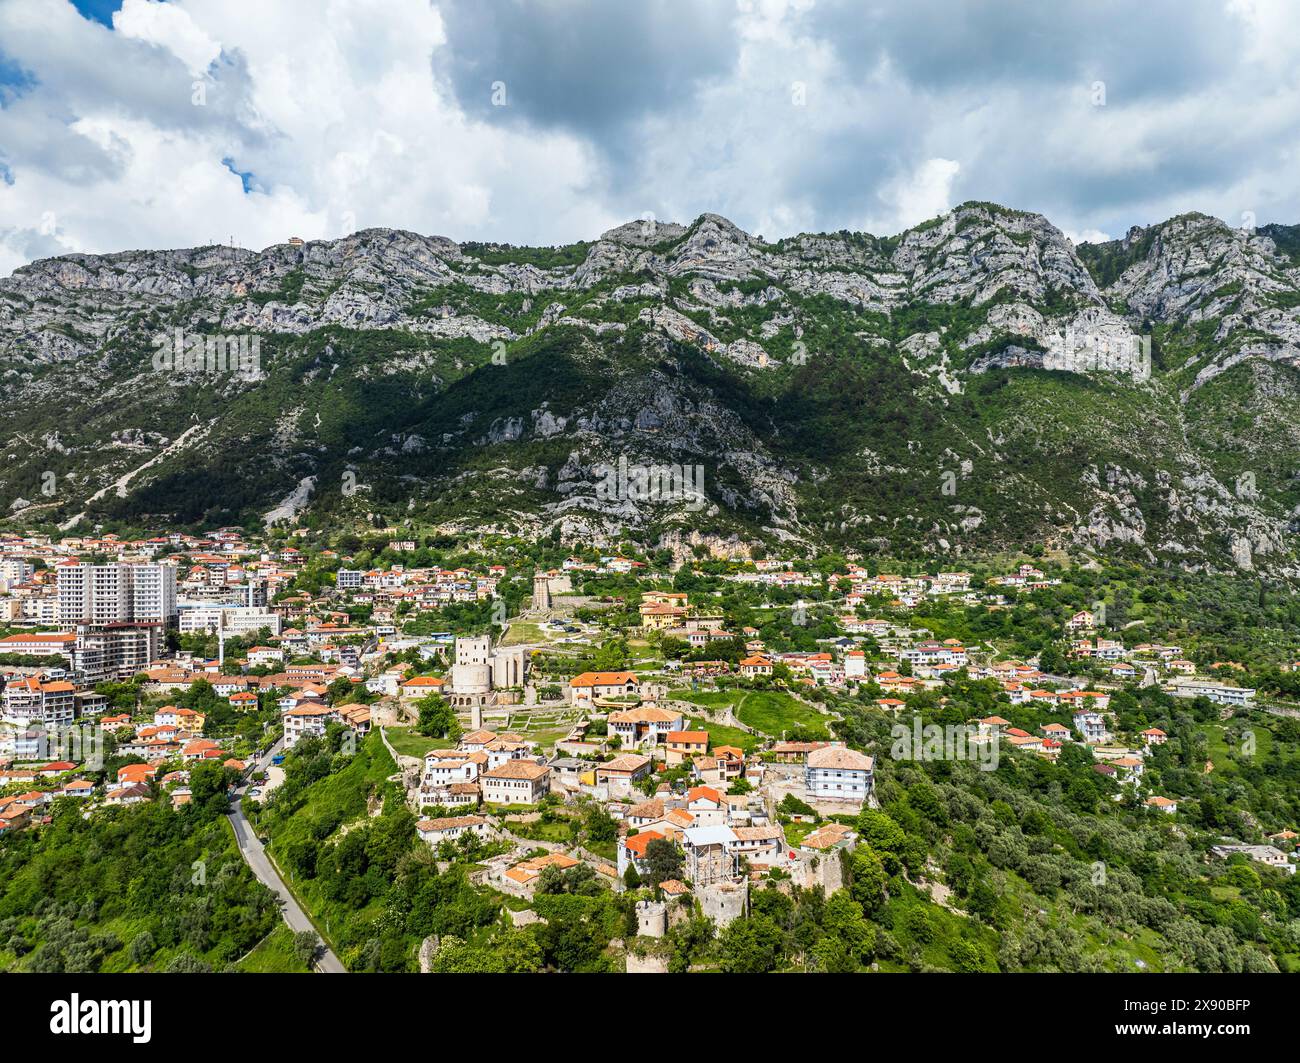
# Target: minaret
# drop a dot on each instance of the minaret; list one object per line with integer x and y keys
{"x": 541, "y": 592}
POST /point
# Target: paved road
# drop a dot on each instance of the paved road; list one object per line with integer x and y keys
{"x": 255, "y": 856}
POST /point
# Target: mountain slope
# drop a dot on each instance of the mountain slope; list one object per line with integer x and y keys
{"x": 973, "y": 383}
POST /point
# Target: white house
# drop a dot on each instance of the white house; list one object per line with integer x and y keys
{"x": 839, "y": 773}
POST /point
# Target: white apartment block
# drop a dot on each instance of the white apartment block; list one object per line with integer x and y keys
{"x": 13, "y": 571}
{"x": 102, "y": 595}
{"x": 232, "y": 620}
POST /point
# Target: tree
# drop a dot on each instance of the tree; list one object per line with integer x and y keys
{"x": 751, "y": 946}
{"x": 142, "y": 947}
{"x": 663, "y": 860}
{"x": 436, "y": 718}
{"x": 869, "y": 879}
{"x": 599, "y": 824}
{"x": 305, "y": 946}
{"x": 792, "y": 806}
{"x": 844, "y": 921}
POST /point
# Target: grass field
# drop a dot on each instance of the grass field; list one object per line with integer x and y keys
{"x": 768, "y": 711}
{"x": 1226, "y": 757}
{"x": 413, "y": 744}
{"x": 772, "y": 712}
{"x": 722, "y": 735}
{"x": 525, "y": 631}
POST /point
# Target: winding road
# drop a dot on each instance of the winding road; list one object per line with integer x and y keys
{"x": 255, "y": 857}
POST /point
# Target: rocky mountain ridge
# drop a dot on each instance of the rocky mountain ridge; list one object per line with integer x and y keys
{"x": 973, "y": 383}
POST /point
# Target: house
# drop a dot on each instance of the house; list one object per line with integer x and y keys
{"x": 516, "y": 782}
{"x": 1261, "y": 854}
{"x": 1081, "y": 621}
{"x": 1220, "y": 693}
{"x": 200, "y": 749}
{"x": 621, "y": 774}
{"x": 756, "y": 665}
{"x": 758, "y": 845}
{"x": 631, "y": 850}
{"x": 645, "y": 812}
{"x": 134, "y": 794}
{"x": 13, "y": 817}
{"x": 794, "y": 752}
{"x": 1164, "y": 804}
{"x": 992, "y": 726}
{"x": 855, "y": 665}
{"x": 421, "y": 686}
{"x": 183, "y": 718}
{"x": 587, "y": 688}
{"x": 827, "y": 837}
{"x": 82, "y": 788}
{"x": 522, "y": 878}
{"x": 305, "y": 721}
{"x": 136, "y": 773}
{"x": 706, "y": 806}
{"x": 683, "y": 745}
{"x": 1091, "y": 726}
{"x": 644, "y": 726}
{"x": 436, "y": 831}
{"x": 1153, "y": 736}
{"x": 839, "y": 773}
{"x": 260, "y": 655}
{"x": 1129, "y": 768}
{"x": 441, "y": 772}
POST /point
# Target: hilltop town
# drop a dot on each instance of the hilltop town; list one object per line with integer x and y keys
{"x": 697, "y": 745}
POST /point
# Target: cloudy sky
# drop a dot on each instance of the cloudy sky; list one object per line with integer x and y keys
{"x": 140, "y": 123}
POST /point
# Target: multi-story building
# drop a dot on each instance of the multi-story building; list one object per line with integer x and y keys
{"x": 122, "y": 651}
{"x": 349, "y": 579}
{"x": 29, "y": 701}
{"x": 13, "y": 571}
{"x": 839, "y": 773}
{"x": 101, "y": 595}
{"x": 232, "y": 620}
{"x": 516, "y": 782}
{"x": 118, "y": 612}
{"x": 39, "y": 643}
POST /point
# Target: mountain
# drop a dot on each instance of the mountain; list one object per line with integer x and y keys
{"x": 974, "y": 383}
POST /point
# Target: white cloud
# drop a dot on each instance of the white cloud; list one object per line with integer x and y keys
{"x": 168, "y": 26}
{"x": 925, "y": 193}
{"x": 345, "y": 112}
{"x": 1088, "y": 236}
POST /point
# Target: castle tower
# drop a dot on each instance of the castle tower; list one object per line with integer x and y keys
{"x": 541, "y": 592}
